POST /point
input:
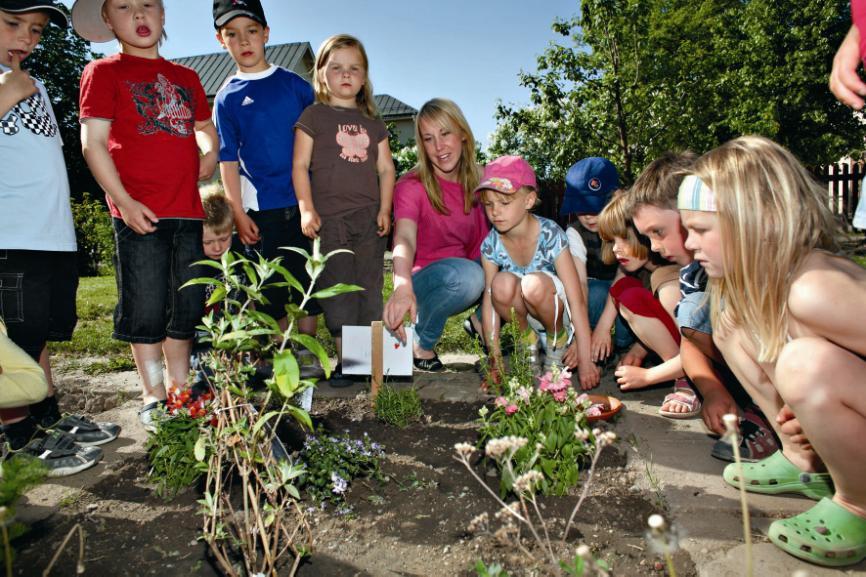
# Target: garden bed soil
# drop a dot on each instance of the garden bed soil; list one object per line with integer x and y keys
{"x": 414, "y": 524}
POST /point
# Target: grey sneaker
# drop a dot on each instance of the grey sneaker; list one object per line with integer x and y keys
{"x": 85, "y": 432}
{"x": 553, "y": 355}
{"x": 149, "y": 413}
{"x": 60, "y": 455}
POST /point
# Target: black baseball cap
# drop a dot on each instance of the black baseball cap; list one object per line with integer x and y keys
{"x": 225, "y": 10}
{"x": 55, "y": 11}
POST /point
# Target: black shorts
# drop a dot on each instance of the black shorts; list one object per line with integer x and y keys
{"x": 150, "y": 271}
{"x": 37, "y": 297}
{"x": 278, "y": 228}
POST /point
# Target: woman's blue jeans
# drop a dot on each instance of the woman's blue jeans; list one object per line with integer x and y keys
{"x": 443, "y": 289}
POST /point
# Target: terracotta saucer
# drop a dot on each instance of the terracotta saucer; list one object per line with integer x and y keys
{"x": 610, "y": 407}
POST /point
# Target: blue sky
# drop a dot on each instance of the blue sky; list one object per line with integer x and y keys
{"x": 468, "y": 50}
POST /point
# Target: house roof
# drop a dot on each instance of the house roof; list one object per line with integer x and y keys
{"x": 214, "y": 68}
{"x": 391, "y": 108}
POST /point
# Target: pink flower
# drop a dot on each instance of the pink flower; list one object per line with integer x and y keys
{"x": 560, "y": 396}
{"x": 524, "y": 394}
{"x": 510, "y": 409}
{"x": 593, "y": 411}
{"x": 500, "y": 401}
{"x": 581, "y": 398}
{"x": 544, "y": 381}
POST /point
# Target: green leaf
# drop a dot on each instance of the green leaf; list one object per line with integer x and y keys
{"x": 337, "y": 289}
{"x": 301, "y": 416}
{"x": 263, "y": 420}
{"x": 315, "y": 347}
{"x": 200, "y": 448}
{"x": 286, "y": 373}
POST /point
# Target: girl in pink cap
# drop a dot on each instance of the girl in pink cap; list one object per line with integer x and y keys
{"x": 529, "y": 270}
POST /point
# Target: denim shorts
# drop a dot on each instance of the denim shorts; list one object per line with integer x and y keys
{"x": 693, "y": 312}
{"x": 280, "y": 227}
{"x": 150, "y": 270}
{"x": 37, "y": 297}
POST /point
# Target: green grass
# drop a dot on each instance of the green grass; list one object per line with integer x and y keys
{"x": 398, "y": 407}
{"x": 92, "y": 337}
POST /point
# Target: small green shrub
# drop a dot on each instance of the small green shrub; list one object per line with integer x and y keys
{"x": 95, "y": 236}
{"x": 398, "y": 407}
{"x": 333, "y": 462}
{"x": 17, "y": 476}
{"x": 171, "y": 450}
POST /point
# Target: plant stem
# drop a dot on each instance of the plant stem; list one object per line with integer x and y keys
{"x": 747, "y": 530}
{"x": 598, "y": 449}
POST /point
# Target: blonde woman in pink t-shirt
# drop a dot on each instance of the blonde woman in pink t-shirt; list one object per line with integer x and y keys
{"x": 438, "y": 232}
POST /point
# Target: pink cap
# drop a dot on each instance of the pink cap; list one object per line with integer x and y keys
{"x": 507, "y": 174}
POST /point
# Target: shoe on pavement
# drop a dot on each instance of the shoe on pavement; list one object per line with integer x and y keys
{"x": 149, "y": 413}
{"x": 85, "y": 432}
{"x": 59, "y": 454}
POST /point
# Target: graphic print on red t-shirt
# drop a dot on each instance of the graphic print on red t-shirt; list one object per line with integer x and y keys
{"x": 163, "y": 106}
{"x": 354, "y": 140}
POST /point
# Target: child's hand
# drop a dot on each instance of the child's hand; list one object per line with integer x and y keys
{"x": 631, "y": 377}
{"x": 248, "y": 232}
{"x": 790, "y": 427}
{"x": 383, "y": 220}
{"x": 845, "y": 83}
{"x": 207, "y": 165}
{"x": 138, "y": 217}
{"x": 588, "y": 375}
{"x": 599, "y": 347}
{"x": 17, "y": 81}
{"x": 634, "y": 357}
{"x": 717, "y": 403}
{"x": 310, "y": 223}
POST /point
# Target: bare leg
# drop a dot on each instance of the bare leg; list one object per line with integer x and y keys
{"x": 739, "y": 353}
{"x": 148, "y": 361}
{"x": 538, "y": 293}
{"x": 338, "y": 344}
{"x": 824, "y": 385}
{"x": 308, "y": 325}
{"x": 506, "y": 295}
{"x": 45, "y": 363}
{"x": 176, "y": 354}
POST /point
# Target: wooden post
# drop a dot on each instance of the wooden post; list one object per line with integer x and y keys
{"x": 376, "y": 358}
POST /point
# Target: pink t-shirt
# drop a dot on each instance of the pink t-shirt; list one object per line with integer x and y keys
{"x": 858, "y": 17}
{"x": 440, "y": 235}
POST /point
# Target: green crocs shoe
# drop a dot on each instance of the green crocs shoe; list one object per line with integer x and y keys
{"x": 827, "y": 534}
{"x": 776, "y": 474}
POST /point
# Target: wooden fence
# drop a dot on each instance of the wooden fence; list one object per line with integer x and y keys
{"x": 843, "y": 186}
{"x": 843, "y": 182}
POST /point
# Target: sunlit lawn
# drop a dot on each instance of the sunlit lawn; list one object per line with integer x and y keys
{"x": 92, "y": 338}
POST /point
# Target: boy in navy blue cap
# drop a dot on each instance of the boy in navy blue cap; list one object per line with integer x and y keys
{"x": 588, "y": 187}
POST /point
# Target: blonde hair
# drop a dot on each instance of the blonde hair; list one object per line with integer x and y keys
{"x": 446, "y": 114}
{"x": 217, "y": 209}
{"x": 614, "y": 220}
{"x": 659, "y": 182}
{"x": 772, "y": 214}
{"x": 364, "y": 98}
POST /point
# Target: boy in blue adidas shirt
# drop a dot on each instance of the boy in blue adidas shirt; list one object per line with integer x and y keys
{"x": 255, "y": 114}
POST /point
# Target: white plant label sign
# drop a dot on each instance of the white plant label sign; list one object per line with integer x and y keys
{"x": 358, "y": 347}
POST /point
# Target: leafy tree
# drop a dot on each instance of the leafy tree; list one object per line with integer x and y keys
{"x": 58, "y": 62}
{"x": 643, "y": 76}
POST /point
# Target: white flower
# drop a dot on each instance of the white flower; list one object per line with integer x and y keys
{"x": 504, "y": 446}
{"x": 527, "y": 482}
{"x": 465, "y": 450}
{"x": 584, "y": 552}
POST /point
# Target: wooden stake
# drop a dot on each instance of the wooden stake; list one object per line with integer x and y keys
{"x": 377, "y": 360}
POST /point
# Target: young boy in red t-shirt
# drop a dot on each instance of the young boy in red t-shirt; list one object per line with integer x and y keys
{"x": 142, "y": 118}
